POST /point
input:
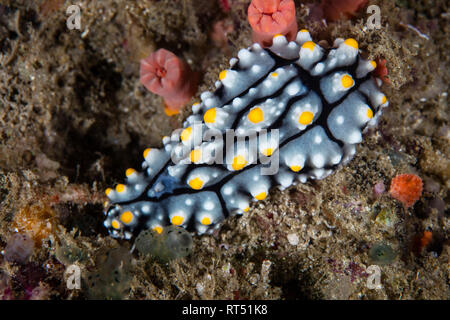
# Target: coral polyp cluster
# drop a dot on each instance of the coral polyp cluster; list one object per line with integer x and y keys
{"x": 164, "y": 74}
{"x": 270, "y": 17}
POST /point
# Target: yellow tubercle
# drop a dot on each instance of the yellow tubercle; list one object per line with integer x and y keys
{"x": 120, "y": 188}
{"x": 145, "y": 153}
{"x": 369, "y": 113}
{"x": 383, "y": 100}
{"x": 186, "y": 133}
{"x": 256, "y": 115}
{"x": 196, "y": 155}
{"x": 177, "y": 220}
{"x": 352, "y": 43}
{"x": 347, "y": 81}
{"x": 309, "y": 45}
{"x": 129, "y": 172}
{"x": 158, "y": 229}
{"x": 222, "y": 74}
{"x": 246, "y": 209}
{"x": 210, "y": 116}
{"x": 206, "y": 221}
{"x": 306, "y": 117}
{"x": 126, "y": 217}
{"x": 261, "y": 196}
{"x": 115, "y": 224}
{"x": 267, "y": 152}
{"x": 373, "y": 64}
{"x": 108, "y": 191}
{"x": 239, "y": 162}
{"x": 196, "y": 183}
{"x": 296, "y": 168}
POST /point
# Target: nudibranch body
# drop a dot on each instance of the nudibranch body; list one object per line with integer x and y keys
{"x": 295, "y": 102}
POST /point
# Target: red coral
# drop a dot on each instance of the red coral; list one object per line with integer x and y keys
{"x": 336, "y": 9}
{"x": 406, "y": 188}
{"x": 270, "y": 17}
{"x": 381, "y": 71}
{"x": 164, "y": 74}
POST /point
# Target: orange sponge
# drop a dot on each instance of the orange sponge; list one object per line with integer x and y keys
{"x": 37, "y": 221}
{"x": 270, "y": 17}
{"x": 406, "y": 188}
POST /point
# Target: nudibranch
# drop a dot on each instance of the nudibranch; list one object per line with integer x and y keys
{"x": 295, "y": 102}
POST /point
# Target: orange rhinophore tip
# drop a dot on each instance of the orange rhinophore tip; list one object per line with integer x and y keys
{"x": 272, "y": 17}
{"x": 406, "y": 188}
{"x": 164, "y": 74}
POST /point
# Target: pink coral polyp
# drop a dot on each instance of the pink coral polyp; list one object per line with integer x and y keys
{"x": 164, "y": 74}
{"x": 270, "y": 17}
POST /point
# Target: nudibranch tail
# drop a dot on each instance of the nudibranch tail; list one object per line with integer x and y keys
{"x": 296, "y": 111}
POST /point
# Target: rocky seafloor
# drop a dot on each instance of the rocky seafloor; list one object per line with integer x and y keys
{"x": 74, "y": 116}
